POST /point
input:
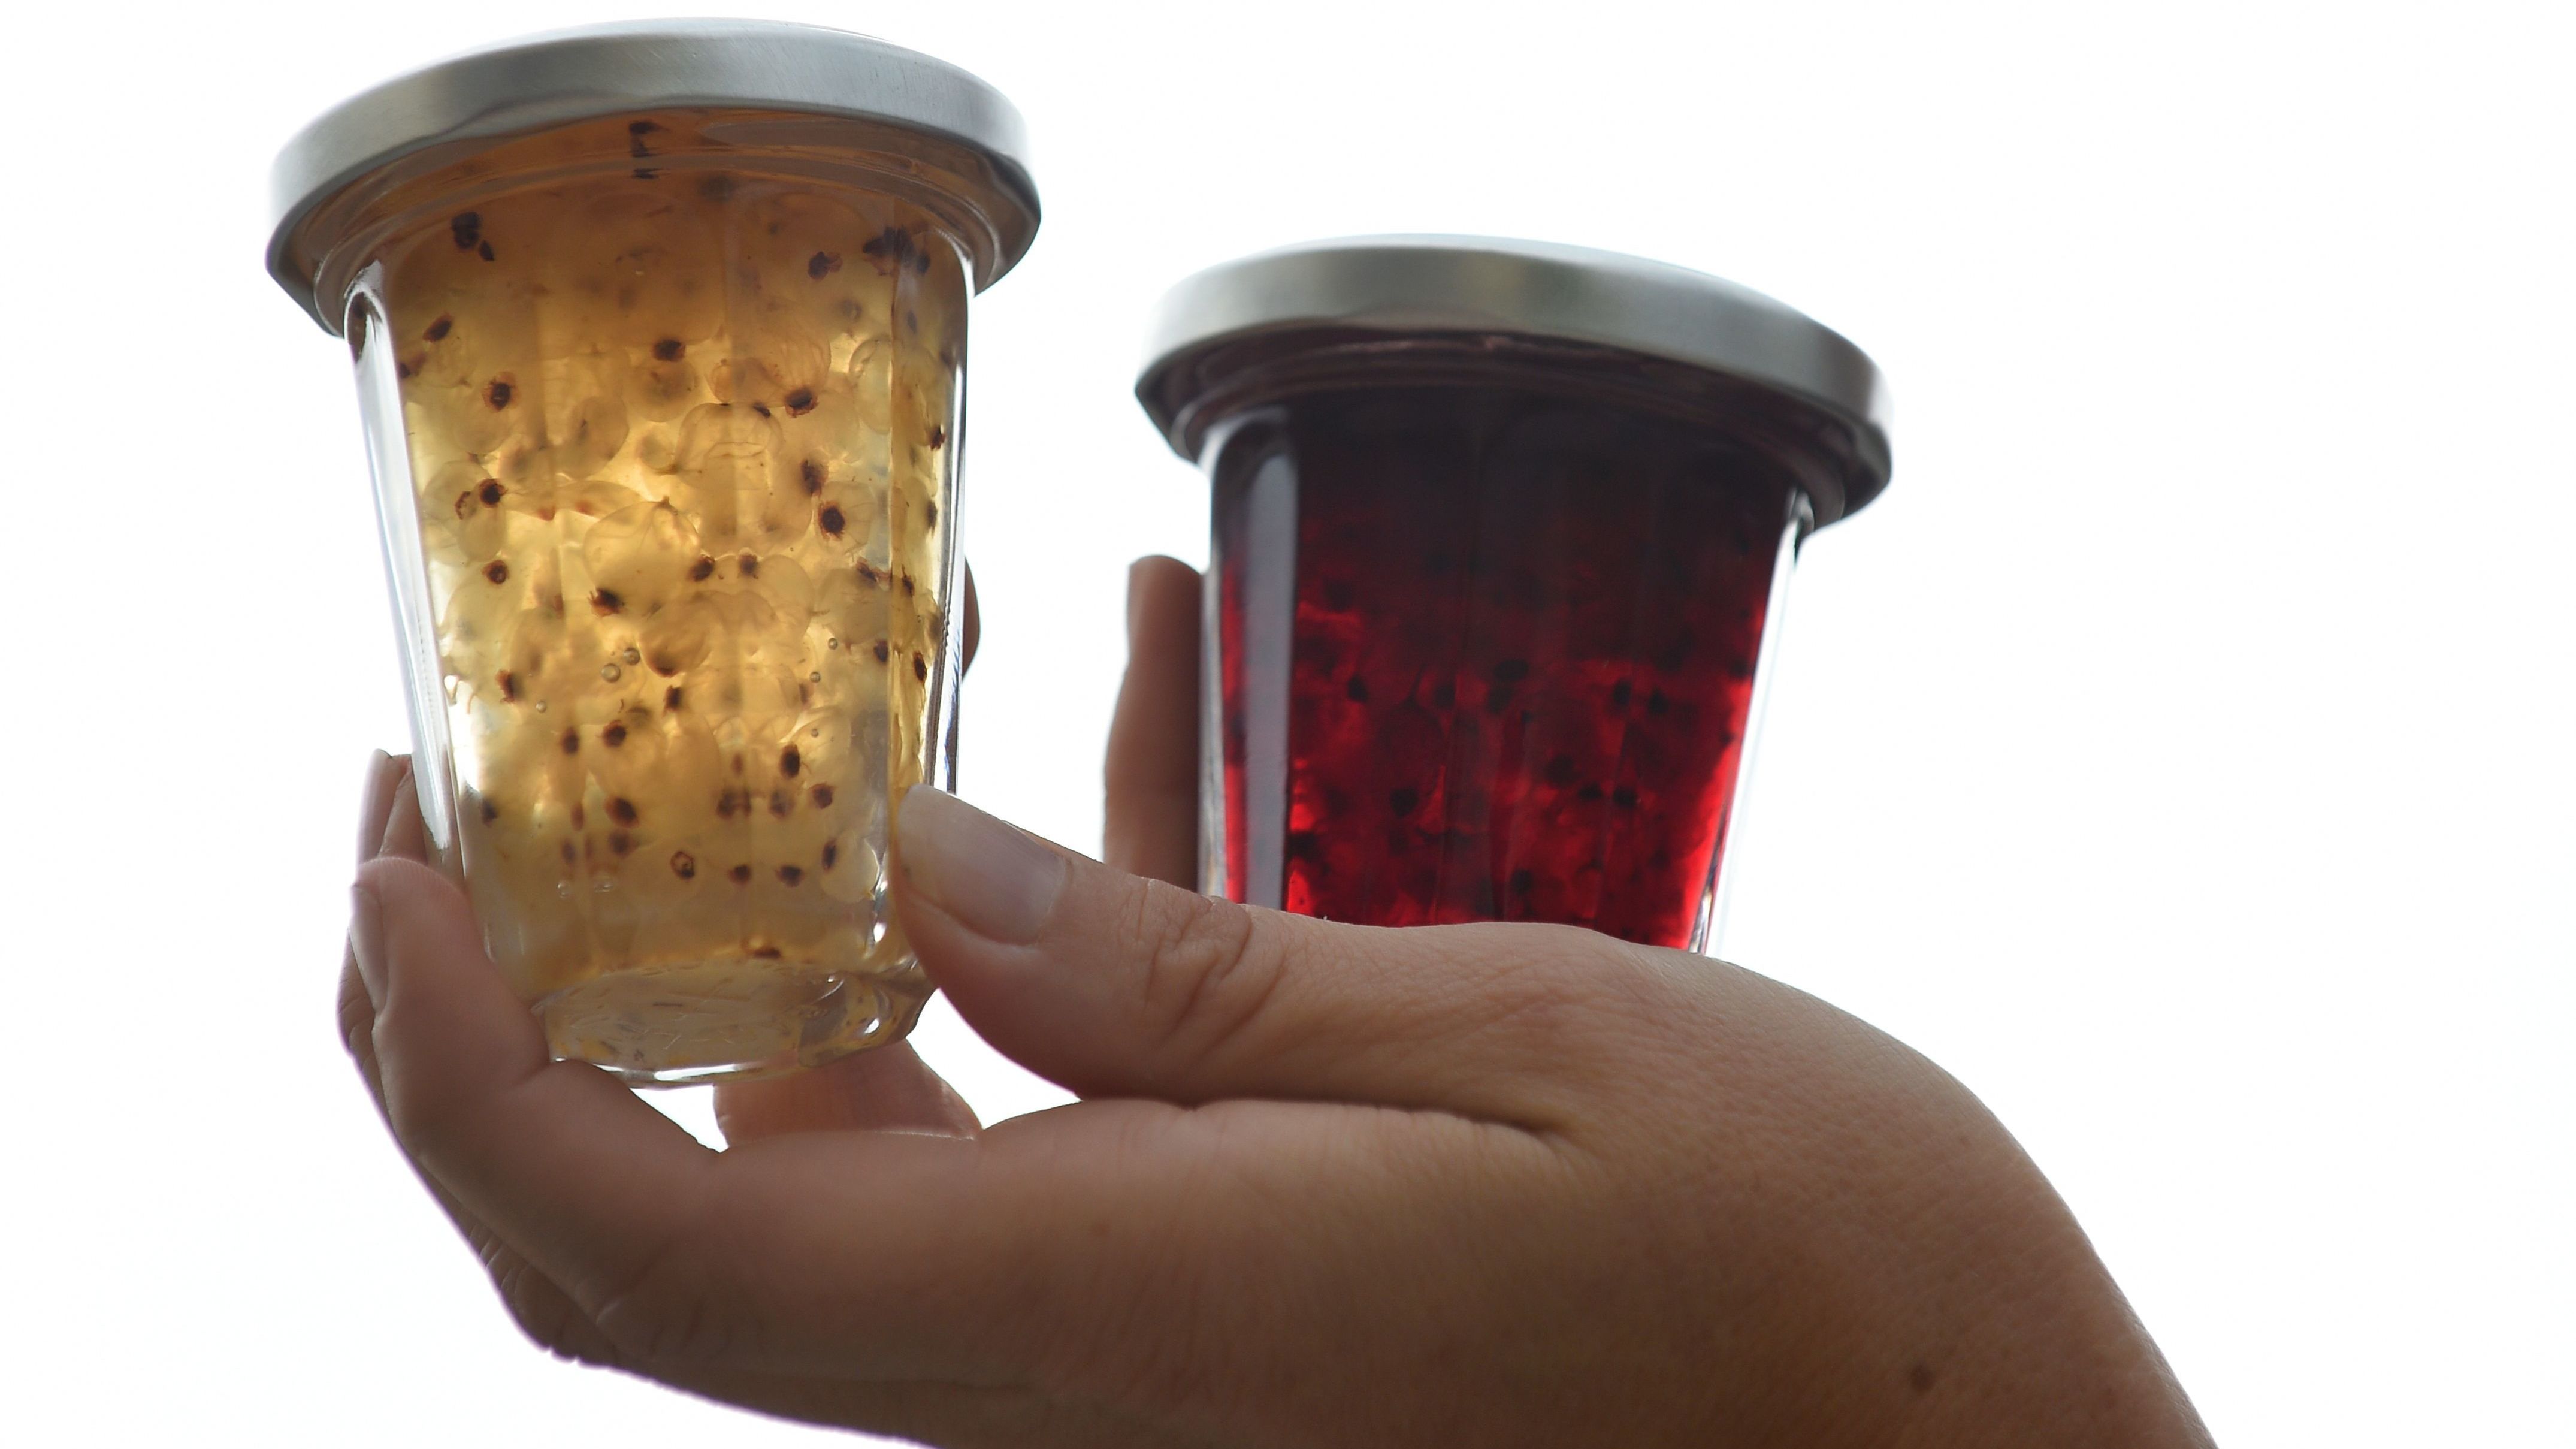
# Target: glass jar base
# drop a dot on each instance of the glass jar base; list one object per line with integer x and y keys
{"x": 728, "y": 1020}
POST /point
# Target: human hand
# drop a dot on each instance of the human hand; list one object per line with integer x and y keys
{"x": 1327, "y": 1185}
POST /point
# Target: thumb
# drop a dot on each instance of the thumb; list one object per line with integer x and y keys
{"x": 1114, "y": 985}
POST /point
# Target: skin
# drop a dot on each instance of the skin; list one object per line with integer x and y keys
{"x": 1326, "y": 1185}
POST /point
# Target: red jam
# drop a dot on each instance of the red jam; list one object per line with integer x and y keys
{"x": 1487, "y": 654}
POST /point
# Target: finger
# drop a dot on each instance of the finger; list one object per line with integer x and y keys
{"x": 577, "y": 1200}
{"x": 376, "y": 804}
{"x": 541, "y": 1309}
{"x": 677, "y": 1254}
{"x": 1152, "y": 774}
{"x": 1114, "y": 985}
{"x": 555, "y": 1323}
{"x": 561, "y": 1161}
{"x": 887, "y": 1088}
{"x": 404, "y": 837}
{"x": 974, "y": 629}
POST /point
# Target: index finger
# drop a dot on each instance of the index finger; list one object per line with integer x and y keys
{"x": 474, "y": 1097}
{"x": 676, "y": 1253}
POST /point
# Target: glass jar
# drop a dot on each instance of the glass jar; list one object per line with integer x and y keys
{"x": 660, "y": 335}
{"x": 1501, "y": 534}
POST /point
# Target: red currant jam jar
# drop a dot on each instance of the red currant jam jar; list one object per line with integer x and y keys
{"x": 1499, "y": 530}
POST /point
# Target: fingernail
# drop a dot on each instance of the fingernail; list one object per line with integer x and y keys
{"x": 367, "y": 940}
{"x": 999, "y": 882}
{"x": 1135, "y": 598}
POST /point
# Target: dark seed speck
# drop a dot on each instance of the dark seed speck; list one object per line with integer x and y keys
{"x": 893, "y": 242}
{"x": 822, "y": 796}
{"x": 498, "y": 571}
{"x": 703, "y": 570}
{"x": 684, "y": 865}
{"x": 741, "y": 874}
{"x": 622, "y": 810}
{"x": 670, "y": 349}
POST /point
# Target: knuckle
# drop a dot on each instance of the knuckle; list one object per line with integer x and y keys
{"x": 1211, "y": 969}
{"x": 663, "y": 1312}
{"x": 550, "y": 1320}
{"x": 357, "y": 1019}
{"x": 1554, "y": 992}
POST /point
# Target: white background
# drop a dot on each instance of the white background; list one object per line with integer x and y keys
{"x": 2179, "y": 753}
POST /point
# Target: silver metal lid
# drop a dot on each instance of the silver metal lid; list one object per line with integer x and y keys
{"x": 563, "y": 76}
{"x": 1465, "y": 284}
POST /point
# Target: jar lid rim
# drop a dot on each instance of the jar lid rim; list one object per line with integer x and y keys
{"x": 559, "y": 77}
{"x": 1434, "y": 283}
